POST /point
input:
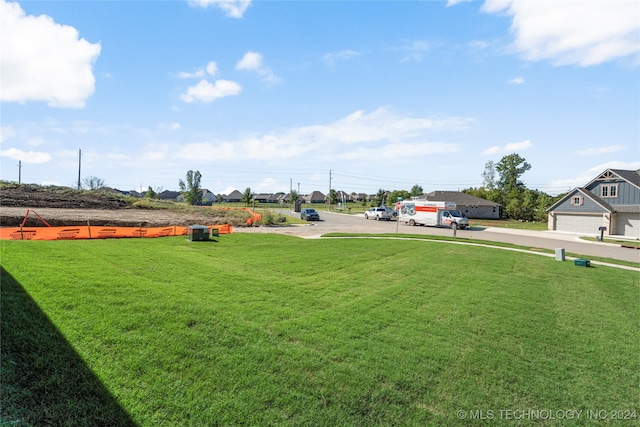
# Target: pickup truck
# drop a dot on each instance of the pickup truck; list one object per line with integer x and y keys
{"x": 380, "y": 212}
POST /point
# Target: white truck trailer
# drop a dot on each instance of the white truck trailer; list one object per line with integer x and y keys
{"x": 424, "y": 212}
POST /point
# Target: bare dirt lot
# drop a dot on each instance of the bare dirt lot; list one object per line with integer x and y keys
{"x": 60, "y": 209}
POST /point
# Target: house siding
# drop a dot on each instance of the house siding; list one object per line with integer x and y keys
{"x": 620, "y": 214}
{"x": 480, "y": 212}
{"x": 588, "y": 205}
{"x": 628, "y": 194}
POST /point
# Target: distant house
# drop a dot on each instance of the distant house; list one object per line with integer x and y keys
{"x": 358, "y": 197}
{"x": 470, "y": 206}
{"x": 610, "y": 200}
{"x": 234, "y": 197}
{"x": 342, "y": 196}
{"x": 286, "y": 198}
{"x": 169, "y": 195}
{"x": 207, "y": 197}
{"x": 315, "y": 197}
{"x": 262, "y": 197}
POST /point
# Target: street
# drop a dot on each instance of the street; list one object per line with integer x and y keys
{"x": 337, "y": 222}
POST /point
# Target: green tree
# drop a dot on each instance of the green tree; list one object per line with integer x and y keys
{"x": 544, "y": 201}
{"x": 379, "y": 199}
{"x": 191, "y": 190}
{"x": 333, "y": 197}
{"x": 513, "y": 207}
{"x": 150, "y": 194}
{"x": 293, "y": 197}
{"x": 529, "y": 200}
{"x": 247, "y": 196}
{"x": 392, "y": 198}
{"x": 489, "y": 176}
{"x": 511, "y": 168}
{"x": 92, "y": 183}
{"x": 416, "y": 190}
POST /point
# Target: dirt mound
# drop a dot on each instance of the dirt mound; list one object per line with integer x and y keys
{"x": 32, "y": 197}
{"x": 66, "y": 207}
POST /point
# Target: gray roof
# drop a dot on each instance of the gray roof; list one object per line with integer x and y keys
{"x": 632, "y": 176}
{"x": 235, "y": 195}
{"x": 585, "y": 193}
{"x": 459, "y": 198}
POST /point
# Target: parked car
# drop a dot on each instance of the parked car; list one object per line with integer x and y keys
{"x": 309, "y": 214}
{"x": 380, "y": 212}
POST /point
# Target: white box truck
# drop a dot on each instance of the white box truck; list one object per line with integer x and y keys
{"x": 424, "y": 212}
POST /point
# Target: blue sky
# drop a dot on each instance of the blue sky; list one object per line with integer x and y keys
{"x": 372, "y": 94}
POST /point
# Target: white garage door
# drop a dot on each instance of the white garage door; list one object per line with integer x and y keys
{"x": 628, "y": 224}
{"x": 587, "y": 224}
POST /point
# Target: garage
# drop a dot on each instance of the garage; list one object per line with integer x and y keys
{"x": 628, "y": 224}
{"x": 576, "y": 223}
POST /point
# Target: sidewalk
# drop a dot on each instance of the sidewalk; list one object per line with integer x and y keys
{"x": 558, "y": 235}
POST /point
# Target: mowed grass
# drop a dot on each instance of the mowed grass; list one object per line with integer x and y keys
{"x": 275, "y": 330}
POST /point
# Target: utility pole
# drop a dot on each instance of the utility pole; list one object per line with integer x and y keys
{"x": 329, "y": 193}
{"x": 79, "y": 166}
{"x": 19, "y": 172}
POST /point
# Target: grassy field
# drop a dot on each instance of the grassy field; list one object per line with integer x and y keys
{"x": 275, "y": 330}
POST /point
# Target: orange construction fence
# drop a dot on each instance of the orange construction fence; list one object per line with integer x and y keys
{"x": 98, "y": 232}
{"x": 255, "y": 217}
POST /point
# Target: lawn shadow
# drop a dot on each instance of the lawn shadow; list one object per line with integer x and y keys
{"x": 43, "y": 381}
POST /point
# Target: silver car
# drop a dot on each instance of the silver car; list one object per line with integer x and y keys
{"x": 380, "y": 212}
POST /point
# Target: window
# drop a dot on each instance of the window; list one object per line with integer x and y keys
{"x": 577, "y": 201}
{"x": 609, "y": 190}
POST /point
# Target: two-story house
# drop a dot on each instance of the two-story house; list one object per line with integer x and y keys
{"x": 611, "y": 200}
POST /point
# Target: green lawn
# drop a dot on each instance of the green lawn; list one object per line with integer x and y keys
{"x": 275, "y": 330}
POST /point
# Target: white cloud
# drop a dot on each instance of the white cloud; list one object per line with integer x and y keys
{"x": 584, "y": 177}
{"x": 455, "y": 2}
{"x": 599, "y": 151}
{"x": 250, "y": 61}
{"x": 331, "y": 58}
{"x": 192, "y": 75}
{"x": 267, "y": 184}
{"x": 359, "y": 135}
{"x": 212, "y": 68}
{"x": 35, "y": 141}
{"x": 6, "y": 132}
{"x": 170, "y": 126}
{"x": 32, "y": 157}
{"x": 233, "y": 8}
{"x": 207, "y": 92}
{"x": 516, "y": 81}
{"x": 230, "y": 189}
{"x": 253, "y": 61}
{"x": 43, "y": 60}
{"x": 400, "y": 150}
{"x": 572, "y": 32}
{"x": 414, "y": 50}
{"x": 509, "y": 148}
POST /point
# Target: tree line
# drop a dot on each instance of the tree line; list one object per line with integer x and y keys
{"x": 501, "y": 183}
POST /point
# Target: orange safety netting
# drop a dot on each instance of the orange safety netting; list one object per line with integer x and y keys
{"x": 255, "y": 217}
{"x": 97, "y": 232}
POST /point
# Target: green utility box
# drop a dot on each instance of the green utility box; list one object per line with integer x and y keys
{"x": 582, "y": 262}
{"x": 215, "y": 232}
{"x": 197, "y": 233}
